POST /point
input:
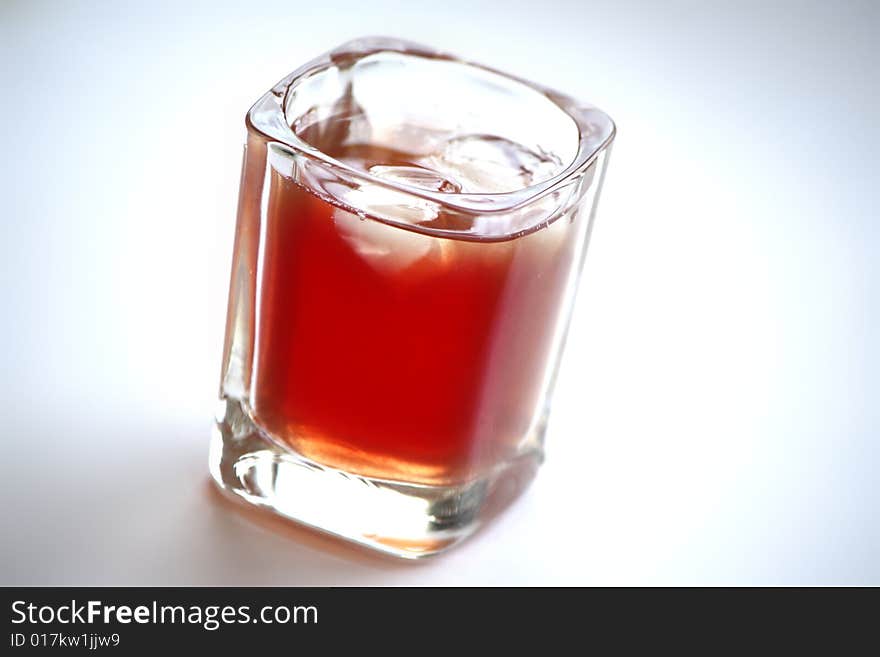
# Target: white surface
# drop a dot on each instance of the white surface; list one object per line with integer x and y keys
{"x": 717, "y": 415}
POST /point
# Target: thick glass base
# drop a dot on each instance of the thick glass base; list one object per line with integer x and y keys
{"x": 404, "y": 520}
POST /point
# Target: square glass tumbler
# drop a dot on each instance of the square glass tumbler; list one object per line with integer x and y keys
{"x": 411, "y": 227}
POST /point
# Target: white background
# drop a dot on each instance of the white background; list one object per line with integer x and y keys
{"x": 717, "y": 415}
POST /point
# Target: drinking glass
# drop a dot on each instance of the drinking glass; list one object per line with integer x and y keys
{"x": 411, "y": 227}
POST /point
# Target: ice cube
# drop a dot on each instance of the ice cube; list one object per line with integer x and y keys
{"x": 388, "y": 249}
{"x": 417, "y": 177}
{"x": 485, "y": 164}
{"x": 383, "y": 202}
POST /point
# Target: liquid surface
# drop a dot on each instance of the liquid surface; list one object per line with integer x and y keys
{"x": 441, "y": 160}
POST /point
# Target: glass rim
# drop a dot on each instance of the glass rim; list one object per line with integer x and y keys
{"x": 596, "y": 130}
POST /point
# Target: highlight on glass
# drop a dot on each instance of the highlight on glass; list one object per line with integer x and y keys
{"x": 411, "y": 228}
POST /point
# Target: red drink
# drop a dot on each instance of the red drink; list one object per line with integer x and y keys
{"x": 394, "y": 354}
{"x": 410, "y": 229}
